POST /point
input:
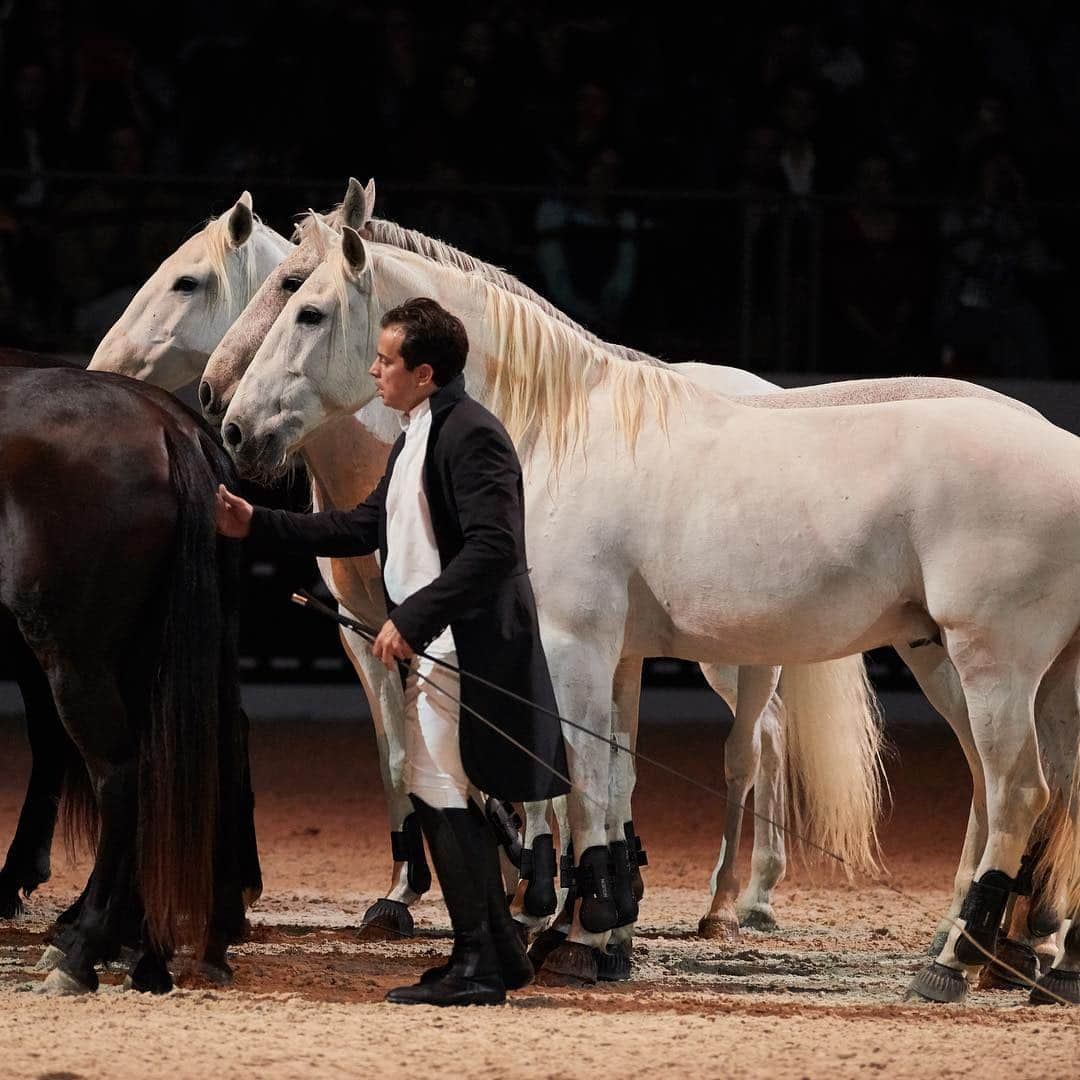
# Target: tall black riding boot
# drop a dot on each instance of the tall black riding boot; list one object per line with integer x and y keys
{"x": 514, "y": 964}
{"x": 472, "y": 977}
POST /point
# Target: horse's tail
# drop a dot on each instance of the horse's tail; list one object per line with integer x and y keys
{"x": 79, "y": 818}
{"x": 834, "y": 742}
{"x": 180, "y": 754}
{"x": 1057, "y": 869}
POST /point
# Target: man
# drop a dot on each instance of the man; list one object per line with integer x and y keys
{"x": 448, "y": 521}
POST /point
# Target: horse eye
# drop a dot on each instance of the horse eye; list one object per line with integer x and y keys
{"x": 309, "y": 316}
{"x": 292, "y": 283}
{"x": 185, "y": 285}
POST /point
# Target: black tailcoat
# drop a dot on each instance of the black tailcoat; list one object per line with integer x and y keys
{"x": 472, "y": 479}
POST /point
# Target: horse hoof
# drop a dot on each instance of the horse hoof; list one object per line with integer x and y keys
{"x": 937, "y": 943}
{"x": 544, "y": 944}
{"x": 149, "y": 976}
{"x": 11, "y": 902}
{"x": 1020, "y": 958}
{"x": 570, "y": 964}
{"x": 759, "y": 919}
{"x": 243, "y": 933}
{"x": 614, "y": 964}
{"x": 938, "y": 983}
{"x": 386, "y": 920}
{"x": 50, "y": 958}
{"x": 522, "y": 933}
{"x": 1064, "y": 985}
{"x": 11, "y": 907}
{"x": 220, "y": 974}
{"x": 58, "y": 983}
{"x": 250, "y": 896}
{"x": 719, "y": 927}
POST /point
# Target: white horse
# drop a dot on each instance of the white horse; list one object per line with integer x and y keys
{"x": 173, "y": 323}
{"x": 754, "y": 752}
{"x": 825, "y": 533}
{"x": 749, "y": 743}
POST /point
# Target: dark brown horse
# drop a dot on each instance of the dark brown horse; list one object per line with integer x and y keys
{"x": 110, "y": 565}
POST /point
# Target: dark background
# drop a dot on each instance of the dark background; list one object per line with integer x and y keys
{"x": 837, "y": 188}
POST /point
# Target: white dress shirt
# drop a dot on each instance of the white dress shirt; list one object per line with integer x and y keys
{"x": 412, "y": 556}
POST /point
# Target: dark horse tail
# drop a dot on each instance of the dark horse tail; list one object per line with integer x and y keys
{"x": 191, "y": 743}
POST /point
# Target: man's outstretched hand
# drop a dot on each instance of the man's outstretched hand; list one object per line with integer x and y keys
{"x": 389, "y": 646}
{"x": 232, "y": 515}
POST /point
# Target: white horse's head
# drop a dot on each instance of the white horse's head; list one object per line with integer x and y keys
{"x": 317, "y": 236}
{"x": 175, "y": 321}
{"x": 313, "y": 364}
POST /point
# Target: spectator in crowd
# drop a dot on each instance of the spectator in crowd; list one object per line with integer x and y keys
{"x": 877, "y": 269}
{"x": 587, "y": 250}
{"x": 106, "y": 97}
{"x": 902, "y": 109}
{"x": 800, "y": 152}
{"x": 33, "y": 135}
{"x": 988, "y": 323}
{"x": 588, "y": 131}
{"x": 472, "y": 222}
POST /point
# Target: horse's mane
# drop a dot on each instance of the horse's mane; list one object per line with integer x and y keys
{"x": 394, "y": 235}
{"x": 218, "y": 248}
{"x": 388, "y": 232}
{"x": 542, "y": 371}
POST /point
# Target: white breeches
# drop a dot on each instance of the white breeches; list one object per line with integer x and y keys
{"x": 433, "y": 769}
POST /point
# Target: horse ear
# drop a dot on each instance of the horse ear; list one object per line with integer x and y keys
{"x": 241, "y": 221}
{"x": 356, "y": 206}
{"x": 324, "y": 233}
{"x": 355, "y": 251}
{"x": 369, "y": 192}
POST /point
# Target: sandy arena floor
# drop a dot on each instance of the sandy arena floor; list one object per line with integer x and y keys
{"x": 821, "y": 998}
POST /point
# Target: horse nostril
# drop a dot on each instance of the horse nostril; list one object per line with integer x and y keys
{"x": 206, "y": 394}
{"x": 233, "y": 435}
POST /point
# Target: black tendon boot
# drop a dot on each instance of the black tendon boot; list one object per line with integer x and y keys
{"x": 472, "y": 977}
{"x": 514, "y": 963}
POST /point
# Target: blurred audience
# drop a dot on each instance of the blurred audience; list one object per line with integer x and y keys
{"x": 773, "y": 106}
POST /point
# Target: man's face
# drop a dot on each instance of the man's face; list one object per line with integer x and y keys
{"x": 399, "y": 387}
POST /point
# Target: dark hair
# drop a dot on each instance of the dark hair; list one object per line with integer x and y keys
{"x": 432, "y": 336}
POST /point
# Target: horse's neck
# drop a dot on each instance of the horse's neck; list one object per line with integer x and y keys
{"x": 269, "y": 250}
{"x": 346, "y": 458}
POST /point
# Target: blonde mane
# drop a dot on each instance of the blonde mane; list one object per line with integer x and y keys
{"x": 541, "y": 373}
{"x": 389, "y": 232}
{"x": 219, "y": 247}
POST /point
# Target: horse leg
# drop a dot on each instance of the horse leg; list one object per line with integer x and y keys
{"x": 1001, "y": 702}
{"x": 742, "y": 755}
{"x": 769, "y": 860}
{"x": 1061, "y": 983}
{"x": 938, "y": 680}
{"x": 583, "y": 678}
{"x": 28, "y": 863}
{"x": 389, "y": 918}
{"x": 535, "y": 899}
{"x": 92, "y": 709}
{"x": 623, "y": 841}
{"x": 250, "y": 869}
{"x": 551, "y": 938}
